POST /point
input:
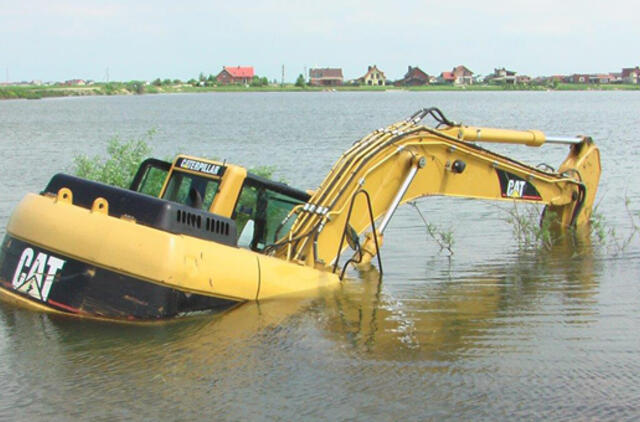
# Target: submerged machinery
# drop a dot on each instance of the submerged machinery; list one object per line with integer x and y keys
{"x": 200, "y": 235}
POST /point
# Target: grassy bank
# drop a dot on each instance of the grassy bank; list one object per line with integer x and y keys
{"x": 138, "y": 87}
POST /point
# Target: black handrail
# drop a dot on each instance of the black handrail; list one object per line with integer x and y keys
{"x": 344, "y": 233}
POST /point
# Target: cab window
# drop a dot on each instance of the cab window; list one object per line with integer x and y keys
{"x": 150, "y": 177}
{"x": 192, "y": 190}
{"x": 260, "y": 210}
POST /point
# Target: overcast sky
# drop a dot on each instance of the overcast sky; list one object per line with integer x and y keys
{"x": 64, "y": 39}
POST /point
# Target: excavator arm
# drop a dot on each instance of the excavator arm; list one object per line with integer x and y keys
{"x": 407, "y": 160}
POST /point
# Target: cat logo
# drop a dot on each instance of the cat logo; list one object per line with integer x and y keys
{"x": 35, "y": 276}
{"x": 515, "y": 188}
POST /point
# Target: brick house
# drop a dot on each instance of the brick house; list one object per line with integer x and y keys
{"x": 373, "y": 77}
{"x": 235, "y": 75}
{"x": 462, "y": 75}
{"x": 631, "y": 75}
{"x": 414, "y": 77}
{"x": 579, "y": 78}
{"x": 325, "y": 77}
{"x": 523, "y": 79}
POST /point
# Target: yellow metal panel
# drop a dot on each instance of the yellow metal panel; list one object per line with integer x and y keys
{"x": 225, "y": 201}
{"x": 182, "y": 262}
{"x": 279, "y": 278}
{"x": 177, "y": 261}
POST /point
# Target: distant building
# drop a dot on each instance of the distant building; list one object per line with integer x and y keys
{"x": 631, "y": 75}
{"x": 75, "y": 82}
{"x": 414, "y": 77}
{"x": 373, "y": 77}
{"x": 579, "y": 78}
{"x": 325, "y": 77}
{"x": 615, "y": 77}
{"x": 235, "y": 75}
{"x": 502, "y": 76}
{"x": 446, "y": 78}
{"x": 600, "y": 78}
{"x": 549, "y": 80}
{"x": 462, "y": 75}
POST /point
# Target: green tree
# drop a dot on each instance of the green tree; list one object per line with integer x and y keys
{"x": 157, "y": 82}
{"x": 136, "y": 87}
{"x": 109, "y": 88}
{"x": 300, "y": 82}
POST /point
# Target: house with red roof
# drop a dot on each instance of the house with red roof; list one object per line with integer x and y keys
{"x": 325, "y": 77}
{"x": 463, "y": 76}
{"x": 446, "y": 78}
{"x": 235, "y": 75}
{"x": 459, "y": 75}
{"x": 631, "y": 75}
{"x": 414, "y": 77}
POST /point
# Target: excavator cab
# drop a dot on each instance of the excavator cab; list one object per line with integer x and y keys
{"x": 257, "y": 205}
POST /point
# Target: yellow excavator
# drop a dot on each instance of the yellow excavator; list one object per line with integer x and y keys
{"x": 197, "y": 235}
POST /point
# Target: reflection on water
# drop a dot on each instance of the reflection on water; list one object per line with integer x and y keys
{"x": 496, "y": 333}
{"x": 463, "y": 317}
{"x": 438, "y": 335}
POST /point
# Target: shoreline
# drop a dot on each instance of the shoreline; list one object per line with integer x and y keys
{"x": 10, "y": 92}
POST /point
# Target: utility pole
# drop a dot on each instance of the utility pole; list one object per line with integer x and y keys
{"x": 282, "y": 80}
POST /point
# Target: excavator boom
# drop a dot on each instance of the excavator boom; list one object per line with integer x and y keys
{"x": 408, "y": 160}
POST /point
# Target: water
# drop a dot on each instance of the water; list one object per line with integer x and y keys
{"x": 495, "y": 333}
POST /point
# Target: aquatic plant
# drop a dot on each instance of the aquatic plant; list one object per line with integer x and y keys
{"x": 119, "y": 166}
{"x": 533, "y": 231}
{"x": 620, "y": 244}
{"x": 530, "y": 229}
{"x": 443, "y": 237}
{"x": 600, "y": 229}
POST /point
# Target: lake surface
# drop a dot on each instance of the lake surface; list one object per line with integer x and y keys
{"x": 494, "y": 333}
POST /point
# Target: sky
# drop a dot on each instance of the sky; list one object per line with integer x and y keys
{"x": 55, "y": 40}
